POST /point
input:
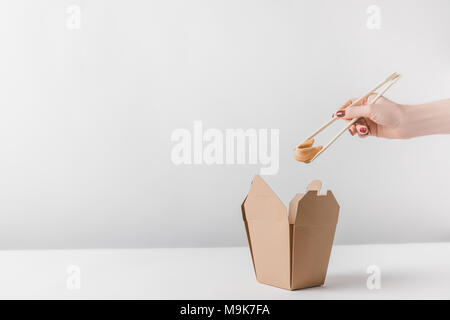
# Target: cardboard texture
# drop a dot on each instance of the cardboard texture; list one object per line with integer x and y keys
{"x": 290, "y": 251}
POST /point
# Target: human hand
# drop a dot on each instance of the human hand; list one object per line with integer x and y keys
{"x": 385, "y": 118}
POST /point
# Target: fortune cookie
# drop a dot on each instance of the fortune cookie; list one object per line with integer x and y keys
{"x": 305, "y": 151}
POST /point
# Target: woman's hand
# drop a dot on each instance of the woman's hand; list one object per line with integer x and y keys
{"x": 384, "y": 119}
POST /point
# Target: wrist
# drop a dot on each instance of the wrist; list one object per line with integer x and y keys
{"x": 409, "y": 119}
{"x": 425, "y": 119}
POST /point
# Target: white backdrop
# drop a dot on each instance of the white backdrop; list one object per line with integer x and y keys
{"x": 92, "y": 91}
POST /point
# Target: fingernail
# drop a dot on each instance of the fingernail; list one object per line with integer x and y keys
{"x": 350, "y": 131}
{"x": 340, "y": 113}
{"x": 363, "y": 130}
{"x": 332, "y": 115}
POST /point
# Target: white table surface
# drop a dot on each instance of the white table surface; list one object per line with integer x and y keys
{"x": 407, "y": 271}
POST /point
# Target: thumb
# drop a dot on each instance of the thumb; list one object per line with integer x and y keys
{"x": 354, "y": 112}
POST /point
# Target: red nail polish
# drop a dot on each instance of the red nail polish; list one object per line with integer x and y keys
{"x": 363, "y": 130}
{"x": 340, "y": 113}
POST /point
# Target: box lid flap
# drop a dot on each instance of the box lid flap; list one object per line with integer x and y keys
{"x": 262, "y": 203}
{"x": 267, "y": 230}
{"x": 313, "y": 208}
{"x": 314, "y": 185}
{"x": 313, "y": 233}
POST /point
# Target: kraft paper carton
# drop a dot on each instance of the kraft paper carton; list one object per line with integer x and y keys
{"x": 290, "y": 251}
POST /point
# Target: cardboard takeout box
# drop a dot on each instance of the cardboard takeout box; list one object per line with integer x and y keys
{"x": 290, "y": 251}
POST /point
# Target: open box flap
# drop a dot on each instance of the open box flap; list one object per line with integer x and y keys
{"x": 314, "y": 185}
{"x": 267, "y": 229}
{"x": 262, "y": 203}
{"x": 317, "y": 210}
{"x": 313, "y": 228}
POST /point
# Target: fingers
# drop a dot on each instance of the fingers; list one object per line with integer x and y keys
{"x": 348, "y": 103}
{"x": 352, "y": 130}
{"x": 359, "y": 129}
{"x": 359, "y": 110}
{"x": 362, "y": 130}
{"x": 354, "y": 112}
{"x": 345, "y": 105}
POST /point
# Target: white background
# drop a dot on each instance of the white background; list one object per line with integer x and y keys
{"x": 86, "y": 117}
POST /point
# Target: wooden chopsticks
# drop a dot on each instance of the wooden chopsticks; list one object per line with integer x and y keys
{"x": 391, "y": 80}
